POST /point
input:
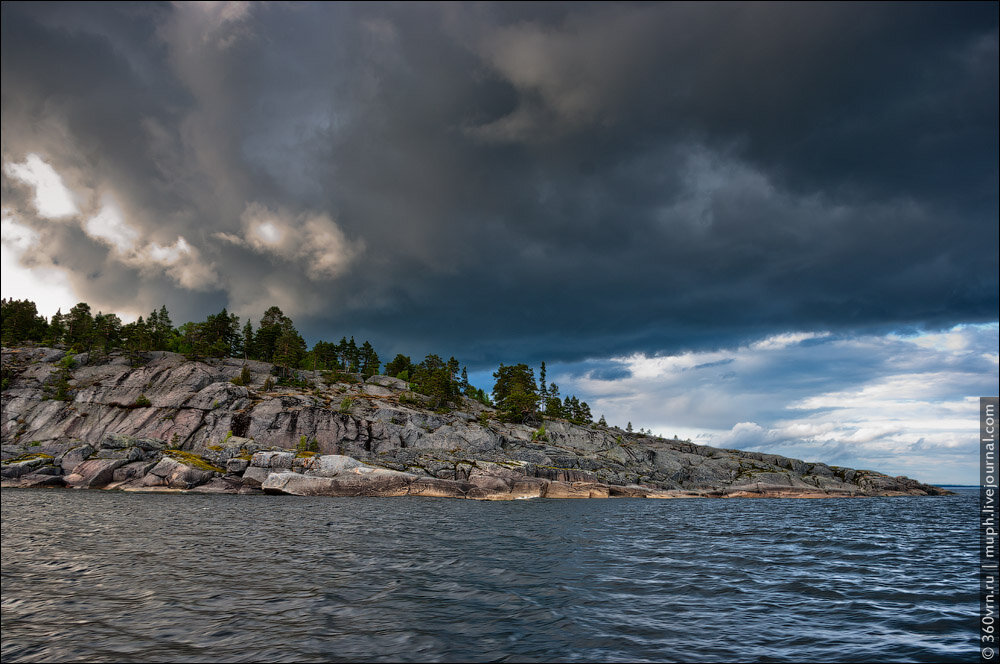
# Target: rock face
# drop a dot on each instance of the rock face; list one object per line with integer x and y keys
{"x": 173, "y": 424}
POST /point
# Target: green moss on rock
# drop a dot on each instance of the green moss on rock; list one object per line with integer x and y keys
{"x": 193, "y": 460}
{"x": 28, "y": 457}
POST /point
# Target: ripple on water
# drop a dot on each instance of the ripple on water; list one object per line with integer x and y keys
{"x": 93, "y": 576}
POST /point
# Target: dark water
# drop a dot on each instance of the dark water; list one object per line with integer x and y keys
{"x": 97, "y": 576}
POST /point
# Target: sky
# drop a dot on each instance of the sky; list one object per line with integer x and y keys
{"x": 764, "y": 226}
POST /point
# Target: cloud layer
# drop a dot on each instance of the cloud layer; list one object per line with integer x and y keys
{"x": 898, "y": 404}
{"x": 554, "y": 181}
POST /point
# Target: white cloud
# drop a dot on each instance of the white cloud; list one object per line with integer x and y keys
{"x": 314, "y": 239}
{"x": 52, "y": 199}
{"x": 47, "y": 285}
{"x": 182, "y": 262}
{"x": 110, "y": 227}
{"x": 901, "y": 405}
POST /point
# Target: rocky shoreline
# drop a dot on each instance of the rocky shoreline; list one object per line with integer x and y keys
{"x": 177, "y": 425}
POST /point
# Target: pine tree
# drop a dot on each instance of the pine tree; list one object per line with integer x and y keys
{"x": 398, "y": 365}
{"x": 603, "y": 422}
{"x": 289, "y": 349}
{"x": 21, "y": 322}
{"x": 325, "y": 356}
{"x": 106, "y": 332}
{"x": 271, "y": 326}
{"x": 135, "y": 339}
{"x": 433, "y": 378}
{"x": 515, "y": 392}
{"x": 80, "y": 328}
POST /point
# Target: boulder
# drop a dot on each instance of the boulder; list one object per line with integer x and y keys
{"x": 132, "y": 471}
{"x": 16, "y": 469}
{"x": 40, "y": 480}
{"x": 396, "y": 384}
{"x": 378, "y": 391}
{"x": 254, "y": 476}
{"x": 276, "y": 460}
{"x": 331, "y": 465}
{"x": 176, "y": 475}
{"x": 94, "y": 473}
{"x": 377, "y": 482}
{"x": 237, "y": 466}
{"x": 74, "y": 457}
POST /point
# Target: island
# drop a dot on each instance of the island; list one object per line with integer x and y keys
{"x": 162, "y": 422}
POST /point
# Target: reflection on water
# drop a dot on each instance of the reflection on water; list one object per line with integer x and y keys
{"x": 98, "y": 576}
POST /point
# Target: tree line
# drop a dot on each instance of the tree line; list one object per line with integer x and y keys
{"x": 515, "y": 393}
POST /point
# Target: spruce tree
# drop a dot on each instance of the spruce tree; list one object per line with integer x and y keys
{"x": 543, "y": 389}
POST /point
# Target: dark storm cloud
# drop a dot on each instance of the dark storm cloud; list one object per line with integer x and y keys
{"x": 507, "y": 182}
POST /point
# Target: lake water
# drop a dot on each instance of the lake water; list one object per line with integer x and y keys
{"x": 103, "y": 576}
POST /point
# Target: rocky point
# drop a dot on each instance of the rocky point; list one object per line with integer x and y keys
{"x": 170, "y": 424}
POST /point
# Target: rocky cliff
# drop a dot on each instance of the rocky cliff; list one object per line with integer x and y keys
{"x": 170, "y": 423}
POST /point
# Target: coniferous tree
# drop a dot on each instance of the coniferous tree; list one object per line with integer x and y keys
{"x": 106, "y": 332}
{"x": 515, "y": 392}
{"x": 221, "y": 334}
{"x": 398, "y": 365}
{"x": 603, "y": 422}
{"x": 352, "y": 354}
{"x": 325, "y": 356}
{"x": 553, "y": 405}
{"x": 271, "y": 326}
{"x": 543, "y": 389}
{"x": 150, "y": 323}
{"x": 369, "y": 360}
{"x": 289, "y": 349}
{"x": 57, "y": 329}
{"x": 433, "y": 378}
{"x": 20, "y": 322}
{"x": 136, "y": 338}
{"x": 342, "y": 353}
{"x": 194, "y": 341}
{"x": 161, "y": 329}
{"x": 247, "y": 340}
{"x": 80, "y": 328}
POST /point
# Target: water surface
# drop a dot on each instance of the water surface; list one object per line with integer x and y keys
{"x": 103, "y": 576}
